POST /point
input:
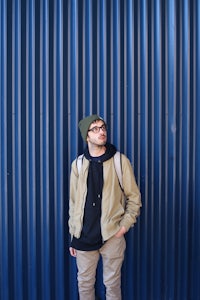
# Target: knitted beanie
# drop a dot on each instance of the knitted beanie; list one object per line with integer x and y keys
{"x": 84, "y": 125}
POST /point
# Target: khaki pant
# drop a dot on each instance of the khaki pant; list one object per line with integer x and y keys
{"x": 112, "y": 253}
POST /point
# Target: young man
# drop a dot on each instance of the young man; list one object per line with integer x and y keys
{"x": 98, "y": 214}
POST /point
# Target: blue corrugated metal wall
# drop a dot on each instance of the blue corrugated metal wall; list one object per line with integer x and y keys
{"x": 137, "y": 63}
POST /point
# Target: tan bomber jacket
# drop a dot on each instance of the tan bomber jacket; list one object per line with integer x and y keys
{"x": 116, "y": 211}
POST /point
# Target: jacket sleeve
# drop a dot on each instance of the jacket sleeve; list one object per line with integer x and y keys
{"x": 73, "y": 187}
{"x": 132, "y": 194}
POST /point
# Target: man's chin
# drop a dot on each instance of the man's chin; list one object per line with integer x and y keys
{"x": 103, "y": 143}
{"x": 103, "y": 140}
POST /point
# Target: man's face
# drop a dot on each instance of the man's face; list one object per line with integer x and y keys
{"x": 97, "y": 133}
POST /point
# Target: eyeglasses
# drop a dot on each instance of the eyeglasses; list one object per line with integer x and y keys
{"x": 96, "y": 129}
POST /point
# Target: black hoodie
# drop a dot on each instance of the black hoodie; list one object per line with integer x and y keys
{"x": 91, "y": 238}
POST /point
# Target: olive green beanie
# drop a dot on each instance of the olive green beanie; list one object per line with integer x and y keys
{"x": 84, "y": 125}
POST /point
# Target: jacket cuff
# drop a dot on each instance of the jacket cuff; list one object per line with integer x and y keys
{"x": 127, "y": 224}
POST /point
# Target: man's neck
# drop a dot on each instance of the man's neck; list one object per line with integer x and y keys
{"x": 96, "y": 151}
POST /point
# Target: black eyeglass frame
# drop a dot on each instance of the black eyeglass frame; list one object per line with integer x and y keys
{"x": 96, "y": 129}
